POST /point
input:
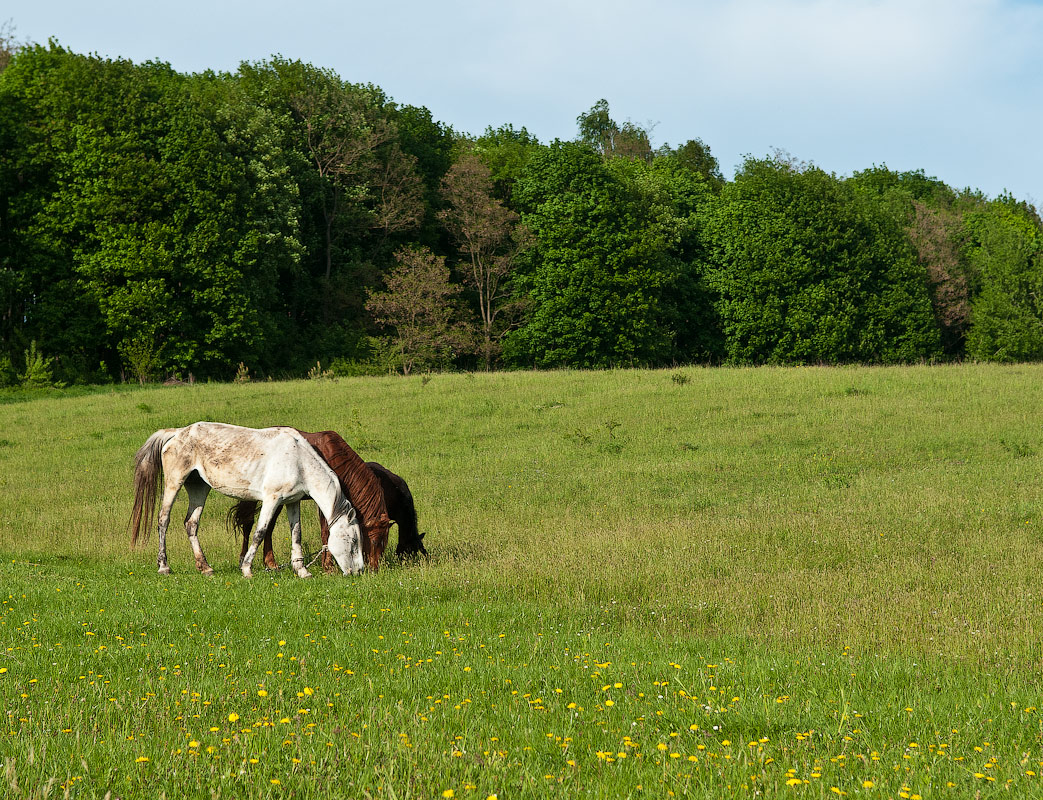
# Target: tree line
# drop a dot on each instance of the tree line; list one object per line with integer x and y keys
{"x": 280, "y": 220}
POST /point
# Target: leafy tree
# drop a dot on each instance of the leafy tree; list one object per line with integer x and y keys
{"x": 695, "y": 156}
{"x": 422, "y": 309}
{"x": 506, "y": 151}
{"x": 158, "y": 213}
{"x": 9, "y": 44}
{"x": 608, "y": 265}
{"x": 1005, "y": 248}
{"x": 360, "y": 195}
{"x": 612, "y": 140}
{"x": 490, "y": 239}
{"x": 932, "y": 216}
{"x": 807, "y": 270}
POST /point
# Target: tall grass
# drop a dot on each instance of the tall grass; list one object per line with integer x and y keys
{"x": 835, "y": 571}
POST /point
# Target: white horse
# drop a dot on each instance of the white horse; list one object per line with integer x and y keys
{"x": 275, "y": 466}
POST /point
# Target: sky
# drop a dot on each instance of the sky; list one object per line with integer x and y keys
{"x": 952, "y": 87}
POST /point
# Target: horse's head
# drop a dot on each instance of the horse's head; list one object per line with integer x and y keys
{"x": 345, "y": 543}
{"x": 410, "y": 546}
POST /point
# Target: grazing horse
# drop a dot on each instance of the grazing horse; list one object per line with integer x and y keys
{"x": 401, "y": 509}
{"x": 359, "y": 484}
{"x": 351, "y": 471}
{"x": 275, "y": 466}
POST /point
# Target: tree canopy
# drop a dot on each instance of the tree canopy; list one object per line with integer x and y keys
{"x": 157, "y": 224}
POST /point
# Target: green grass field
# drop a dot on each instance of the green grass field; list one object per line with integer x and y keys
{"x": 701, "y": 582}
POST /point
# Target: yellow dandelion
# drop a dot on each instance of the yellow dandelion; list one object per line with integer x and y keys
{"x": 448, "y": 793}
{"x": 609, "y": 703}
{"x": 867, "y": 784}
{"x": 141, "y": 759}
{"x": 309, "y": 691}
{"x": 794, "y": 782}
{"x": 233, "y": 717}
{"x": 262, "y": 693}
{"x": 275, "y": 781}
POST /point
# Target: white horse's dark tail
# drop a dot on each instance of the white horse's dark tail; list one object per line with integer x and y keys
{"x": 148, "y": 466}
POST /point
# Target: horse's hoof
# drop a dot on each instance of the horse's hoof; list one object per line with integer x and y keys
{"x": 247, "y": 573}
{"x": 208, "y": 571}
{"x": 303, "y": 573}
{"x": 164, "y": 570}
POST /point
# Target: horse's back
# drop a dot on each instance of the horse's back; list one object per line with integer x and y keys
{"x": 238, "y": 461}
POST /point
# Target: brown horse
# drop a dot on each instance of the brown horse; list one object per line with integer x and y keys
{"x": 379, "y": 495}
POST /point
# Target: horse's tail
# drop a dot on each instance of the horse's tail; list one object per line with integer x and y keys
{"x": 240, "y": 519}
{"x": 148, "y": 466}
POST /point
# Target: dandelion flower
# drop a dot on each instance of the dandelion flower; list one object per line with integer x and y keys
{"x": 867, "y": 784}
{"x": 141, "y": 759}
{"x": 262, "y": 693}
{"x": 448, "y": 793}
{"x": 233, "y": 717}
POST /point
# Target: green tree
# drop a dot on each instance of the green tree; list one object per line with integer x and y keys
{"x": 608, "y": 265}
{"x": 695, "y": 156}
{"x": 506, "y": 151}
{"x": 807, "y": 270}
{"x": 157, "y": 214}
{"x": 361, "y": 195}
{"x": 422, "y": 310}
{"x": 490, "y": 240}
{"x": 932, "y": 215}
{"x": 612, "y": 140}
{"x": 1005, "y": 247}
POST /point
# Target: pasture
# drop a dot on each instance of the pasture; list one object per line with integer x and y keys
{"x": 676, "y": 583}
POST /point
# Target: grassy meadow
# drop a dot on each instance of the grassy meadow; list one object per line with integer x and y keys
{"x": 798, "y": 583}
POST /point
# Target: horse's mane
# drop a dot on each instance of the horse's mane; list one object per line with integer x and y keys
{"x": 363, "y": 489}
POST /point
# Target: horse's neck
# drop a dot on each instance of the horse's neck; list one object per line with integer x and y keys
{"x": 322, "y": 485}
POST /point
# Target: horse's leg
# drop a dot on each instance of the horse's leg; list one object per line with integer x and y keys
{"x": 198, "y": 490}
{"x": 328, "y": 563}
{"x": 293, "y": 516}
{"x": 269, "y": 553}
{"x": 171, "y": 486}
{"x": 269, "y": 508}
{"x": 244, "y": 520}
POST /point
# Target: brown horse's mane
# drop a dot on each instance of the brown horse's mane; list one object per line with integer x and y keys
{"x": 361, "y": 485}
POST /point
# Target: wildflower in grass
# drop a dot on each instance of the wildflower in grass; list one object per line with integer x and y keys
{"x": 275, "y": 781}
{"x": 448, "y": 793}
{"x": 141, "y": 759}
{"x": 262, "y": 693}
{"x": 867, "y": 784}
{"x": 794, "y": 782}
{"x": 233, "y": 717}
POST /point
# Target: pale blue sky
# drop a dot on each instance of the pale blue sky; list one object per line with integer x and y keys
{"x": 954, "y": 87}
